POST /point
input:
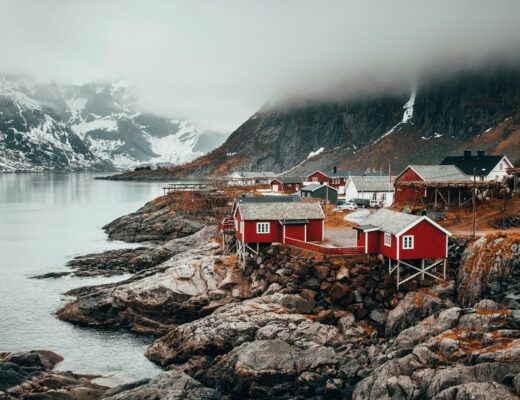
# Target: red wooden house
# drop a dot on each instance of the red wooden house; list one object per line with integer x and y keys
{"x": 424, "y": 173}
{"x": 286, "y": 184}
{"x": 273, "y": 221}
{"x": 334, "y": 179}
{"x": 407, "y": 239}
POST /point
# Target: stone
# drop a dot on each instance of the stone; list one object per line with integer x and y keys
{"x": 320, "y": 271}
{"x": 379, "y": 315}
{"x": 338, "y": 290}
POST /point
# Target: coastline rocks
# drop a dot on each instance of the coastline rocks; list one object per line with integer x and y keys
{"x": 417, "y": 305}
{"x": 31, "y": 375}
{"x": 490, "y": 268}
{"x": 454, "y": 354}
{"x": 155, "y": 301}
{"x": 171, "y": 385}
{"x": 260, "y": 349}
{"x": 156, "y": 221}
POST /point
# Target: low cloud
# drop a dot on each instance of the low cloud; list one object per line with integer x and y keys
{"x": 218, "y": 62}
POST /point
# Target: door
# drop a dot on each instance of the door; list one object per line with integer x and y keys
{"x": 276, "y": 188}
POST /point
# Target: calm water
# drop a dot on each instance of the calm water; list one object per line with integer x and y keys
{"x": 45, "y": 220}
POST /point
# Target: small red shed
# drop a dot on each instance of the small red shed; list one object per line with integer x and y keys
{"x": 398, "y": 235}
{"x": 273, "y": 221}
{"x": 424, "y": 173}
{"x": 404, "y": 238}
{"x": 286, "y": 184}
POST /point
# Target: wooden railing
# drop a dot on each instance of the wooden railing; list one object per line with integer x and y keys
{"x": 325, "y": 250}
{"x": 227, "y": 225}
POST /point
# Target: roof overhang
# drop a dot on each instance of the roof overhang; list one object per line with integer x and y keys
{"x": 424, "y": 218}
{"x": 294, "y": 221}
{"x": 367, "y": 228}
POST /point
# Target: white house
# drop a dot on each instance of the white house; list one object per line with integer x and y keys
{"x": 378, "y": 188}
{"x": 486, "y": 167}
{"x": 247, "y": 178}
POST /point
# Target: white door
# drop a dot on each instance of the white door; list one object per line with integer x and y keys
{"x": 276, "y": 188}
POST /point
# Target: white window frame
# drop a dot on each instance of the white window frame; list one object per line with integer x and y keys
{"x": 383, "y": 196}
{"x": 263, "y": 228}
{"x": 408, "y": 242}
{"x": 315, "y": 179}
{"x": 335, "y": 181}
{"x": 501, "y": 166}
{"x": 388, "y": 240}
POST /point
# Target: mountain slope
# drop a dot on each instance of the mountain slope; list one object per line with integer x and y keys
{"x": 104, "y": 124}
{"x": 423, "y": 125}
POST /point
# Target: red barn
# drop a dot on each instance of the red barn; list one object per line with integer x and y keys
{"x": 404, "y": 238}
{"x": 286, "y": 184}
{"x": 424, "y": 173}
{"x": 273, "y": 221}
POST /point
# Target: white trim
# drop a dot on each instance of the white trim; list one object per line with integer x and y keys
{"x": 320, "y": 171}
{"x": 446, "y": 246}
{"x": 243, "y": 231}
{"x": 267, "y": 231}
{"x": 398, "y": 241}
{"x": 385, "y": 236}
{"x": 366, "y": 243}
{"x": 322, "y": 230}
{"x": 412, "y": 242}
{"x": 424, "y": 218}
{"x": 283, "y": 237}
{"x": 304, "y": 232}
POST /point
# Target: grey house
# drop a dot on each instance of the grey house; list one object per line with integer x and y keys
{"x": 319, "y": 191}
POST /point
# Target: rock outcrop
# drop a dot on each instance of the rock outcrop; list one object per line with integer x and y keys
{"x": 157, "y": 221}
{"x": 31, "y": 375}
{"x": 491, "y": 268}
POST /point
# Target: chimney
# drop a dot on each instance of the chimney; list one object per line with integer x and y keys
{"x": 481, "y": 153}
{"x": 467, "y": 154}
{"x": 335, "y": 169}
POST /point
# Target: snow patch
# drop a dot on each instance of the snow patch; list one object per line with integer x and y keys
{"x": 315, "y": 153}
{"x": 107, "y": 124}
{"x": 408, "y": 107}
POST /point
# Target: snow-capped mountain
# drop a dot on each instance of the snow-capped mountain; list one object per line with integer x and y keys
{"x": 92, "y": 126}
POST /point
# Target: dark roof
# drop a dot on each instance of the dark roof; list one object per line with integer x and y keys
{"x": 288, "y": 179}
{"x": 295, "y": 222}
{"x": 345, "y": 173}
{"x": 315, "y": 186}
{"x": 484, "y": 164}
{"x": 267, "y": 199}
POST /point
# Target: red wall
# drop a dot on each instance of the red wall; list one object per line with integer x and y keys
{"x": 408, "y": 194}
{"x": 429, "y": 242}
{"x": 285, "y": 187}
{"x": 315, "y": 230}
{"x": 274, "y": 235}
{"x": 390, "y": 252}
{"x": 321, "y": 177}
{"x": 373, "y": 242}
{"x": 295, "y": 231}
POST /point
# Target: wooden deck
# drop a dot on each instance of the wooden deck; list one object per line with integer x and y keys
{"x": 325, "y": 250}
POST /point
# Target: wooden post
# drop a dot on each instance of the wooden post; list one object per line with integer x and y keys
{"x": 449, "y": 197}
{"x": 444, "y": 268}
{"x": 435, "y": 197}
{"x": 459, "y": 197}
{"x": 422, "y": 269}
{"x": 398, "y": 274}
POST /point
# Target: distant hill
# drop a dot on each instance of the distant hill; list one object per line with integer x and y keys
{"x": 477, "y": 110}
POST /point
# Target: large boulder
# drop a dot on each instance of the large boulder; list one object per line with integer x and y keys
{"x": 170, "y": 385}
{"x": 489, "y": 268}
{"x": 417, "y": 305}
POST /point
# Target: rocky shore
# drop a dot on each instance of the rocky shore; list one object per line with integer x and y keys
{"x": 301, "y": 326}
{"x": 32, "y": 375}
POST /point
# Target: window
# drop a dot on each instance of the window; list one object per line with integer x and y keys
{"x": 408, "y": 242}
{"x": 315, "y": 179}
{"x": 262, "y": 227}
{"x": 383, "y": 196}
{"x": 501, "y": 166}
{"x": 374, "y": 196}
{"x": 388, "y": 240}
{"x": 335, "y": 181}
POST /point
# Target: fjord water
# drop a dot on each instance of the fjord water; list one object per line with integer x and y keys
{"x": 45, "y": 220}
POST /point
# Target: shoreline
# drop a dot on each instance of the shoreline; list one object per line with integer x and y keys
{"x": 225, "y": 333}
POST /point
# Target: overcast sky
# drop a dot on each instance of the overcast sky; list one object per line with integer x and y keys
{"x": 217, "y": 62}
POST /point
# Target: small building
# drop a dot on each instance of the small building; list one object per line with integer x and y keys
{"x": 335, "y": 178}
{"x": 272, "y": 221}
{"x": 424, "y": 173}
{"x": 248, "y": 178}
{"x": 485, "y": 167}
{"x": 410, "y": 240}
{"x": 319, "y": 191}
{"x": 286, "y": 184}
{"x": 375, "y": 188}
